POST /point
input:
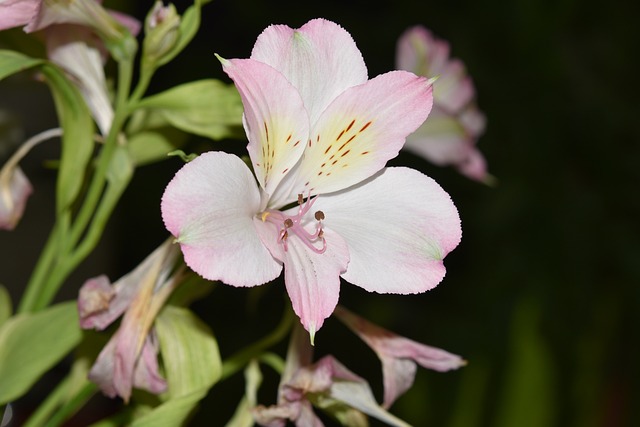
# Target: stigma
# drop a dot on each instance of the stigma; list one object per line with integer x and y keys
{"x": 291, "y": 226}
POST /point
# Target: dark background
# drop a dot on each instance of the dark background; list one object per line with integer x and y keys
{"x": 542, "y": 295}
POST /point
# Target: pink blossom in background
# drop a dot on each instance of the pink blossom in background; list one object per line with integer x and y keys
{"x": 320, "y": 133}
{"x": 130, "y": 357}
{"x": 450, "y": 134}
{"x": 15, "y": 189}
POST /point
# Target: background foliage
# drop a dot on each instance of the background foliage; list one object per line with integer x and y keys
{"x": 542, "y": 296}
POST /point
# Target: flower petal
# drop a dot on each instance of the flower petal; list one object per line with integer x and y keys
{"x": 361, "y": 130}
{"x": 398, "y": 354}
{"x": 209, "y": 206}
{"x": 320, "y": 59}
{"x": 312, "y": 279}
{"x": 399, "y": 225}
{"x": 275, "y": 119}
{"x": 15, "y": 13}
{"x": 76, "y": 50}
{"x": 15, "y": 189}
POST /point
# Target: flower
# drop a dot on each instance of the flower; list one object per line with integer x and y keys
{"x": 450, "y": 134}
{"x": 129, "y": 358}
{"x": 114, "y": 28}
{"x": 15, "y": 189}
{"x": 326, "y": 384}
{"x": 320, "y": 134}
{"x": 399, "y": 355}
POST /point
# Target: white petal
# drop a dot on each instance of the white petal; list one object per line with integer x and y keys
{"x": 399, "y": 225}
{"x": 209, "y": 206}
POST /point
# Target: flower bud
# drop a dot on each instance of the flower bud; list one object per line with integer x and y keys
{"x": 162, "y": 31}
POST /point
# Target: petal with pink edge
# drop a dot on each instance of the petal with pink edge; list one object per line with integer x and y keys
{"x": 209, "y": 206}
{"x": 399, "y": 225}
{"x": 312, "y": 279}
{"x": 275, "y": 119}
{"x": 15, "y": 13}
{"x": 361, "y": 130}
{"x": 320, "y": 59}
{"x": 398, "y": 355}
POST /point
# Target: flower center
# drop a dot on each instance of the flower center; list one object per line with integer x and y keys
{"x": 291, "y": 225}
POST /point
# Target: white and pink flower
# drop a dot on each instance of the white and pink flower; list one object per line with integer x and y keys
{"x": 322, "y": 204}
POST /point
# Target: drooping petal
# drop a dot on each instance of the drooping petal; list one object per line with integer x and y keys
{"x": 16, "y": 13}
{"x": 399, "y": 355}
{"x": 399, "y": 225}
{"x": 76, "y": 50}
{"x": 100, "y": 303}
{"x": 361, "y": 130}
{"x": 320, "y": 59}
{"x": 275, "y": 119}
{"x": 146, "y": 375}
{"x": 312, "y": 279}
{"x": 419, "y": 51}
{"x": 209, "y": 207}
{"x": 15, "y": 189}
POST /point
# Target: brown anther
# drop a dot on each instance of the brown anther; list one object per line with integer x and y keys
{"x": 300, "y": 199}
{"x": 319, "y": 215}
{"x": 321, "y": 234}
{"x": 288, "y": 223}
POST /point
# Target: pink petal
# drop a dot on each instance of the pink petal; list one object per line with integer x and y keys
{"x": 453, "y": 89}
{"x": 398, "y": 355}
{"x": 147, "y": 374}
{"x": 420, "y": 52}
{"x": 320, "y": 59}
{"x": 77, "y": 50}
{"x": 275, "y": 119}
{"x": 312, "y": 279}
{"x": 209, "y": 206}
{"x": 361, "y": 130}
{"x": 15, "y": 189}
{"x": 399, "y": 225}
{"x": 16, "y": 13}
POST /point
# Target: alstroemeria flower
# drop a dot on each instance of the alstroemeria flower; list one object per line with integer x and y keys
{"x": 320, "y": 134}
{"x": 15, "y": 187}
{"x": 399, "y": 355}
{"x": 450, "y": 134}
{"x": 130, "y": 358}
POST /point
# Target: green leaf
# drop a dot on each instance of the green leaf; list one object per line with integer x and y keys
{"x": 5, "y": 305}
{"x": 171, "y": 413}
{"x": 207, "y": 108}
{"x": 13, "y": 62}
{"x": 528, "y": 398}
{"x": 31, "y": 344}
{"x": 189, "y": 352}
{"x": 150, "y": 146}
{"x": 77, "y": 139}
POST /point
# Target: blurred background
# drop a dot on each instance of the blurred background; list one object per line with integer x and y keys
{"x": 542, "y": 296}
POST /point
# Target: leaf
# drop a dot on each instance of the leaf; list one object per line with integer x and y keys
{"x": 5, "y": 305}
{"x": 150, "y": 146}
{"x": 77, "y": 139}
{"x": 12, "y": 62}
{"x": 189, "y": 352}
{"x": 170, "y": 413}
{"x": 207, "y": 108}
{"x": 32, "y": 343}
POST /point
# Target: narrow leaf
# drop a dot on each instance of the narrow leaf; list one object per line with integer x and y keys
{"x": 77, "y": 139}
{"x": 31, "y": 344}
{"x": 172, "y": 413}
{"x": 5, "y": 305}
{"x": 13, "y": 62}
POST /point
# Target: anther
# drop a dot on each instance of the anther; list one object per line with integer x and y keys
{"x": 319, "y": 215}
{"x": 300, "y": 199}
{"x": 288, "y": 223}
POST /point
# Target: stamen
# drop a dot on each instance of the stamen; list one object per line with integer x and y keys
{"x": 293, "y": 225}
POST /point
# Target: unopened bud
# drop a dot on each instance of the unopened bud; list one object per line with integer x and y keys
{"x": 162, "y": 30}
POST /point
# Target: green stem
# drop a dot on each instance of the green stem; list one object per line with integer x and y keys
{"x": 73, "y": 405}
{"x": 48, "y": 407}
{"x": 40, "y": 272}
{"x": 236, "y": 362}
